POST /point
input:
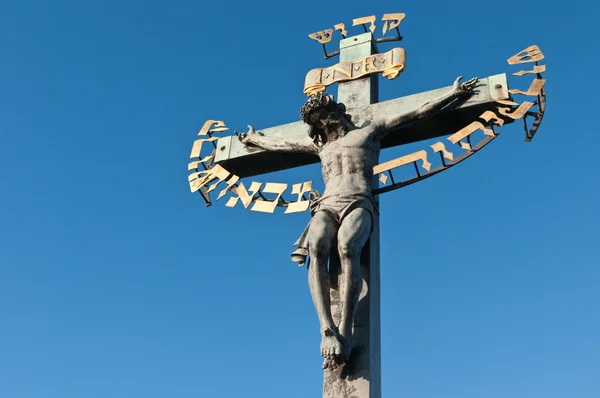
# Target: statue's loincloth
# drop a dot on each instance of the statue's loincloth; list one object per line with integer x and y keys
{"x": 337, "y": 207}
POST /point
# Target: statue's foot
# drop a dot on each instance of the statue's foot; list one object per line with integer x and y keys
{"x": 332, "y": 363}
{"x": 331, "y": 350}
{"x": 331, "y": 346}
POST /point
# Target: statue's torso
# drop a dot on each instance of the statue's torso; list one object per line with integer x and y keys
{"x": 347, "y": 163}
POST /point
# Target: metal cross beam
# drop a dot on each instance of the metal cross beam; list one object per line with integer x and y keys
{"x": 244, "y": 162}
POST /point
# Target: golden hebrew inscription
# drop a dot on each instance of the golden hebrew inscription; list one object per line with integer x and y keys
{"x": 342, "y": 28}
{"x": 267, "y": 206}
{"x": 390, "y": 64}
{"x": 519, "y": 112}
{"x": 230, "y": 183}
{"x": 219, "y": 126}
{"x": 403, "y": 160}
{"x": 197, "y": 148}
{"x": 394, "y": 21}
{"x": 348, "y": 71}
{"x": 534, "y": 90}
{"x": 243, "y": 195}
{"x": 211, "y": 177}
{"x": 206, "y": 130}
{"x": 507, "y": 102}
{"x": 193, "y": 165}
{"x": 530, "y": 54}
{"x": 218, "y": 173}
{"x": 301, "y": 204}
{"x": 536, "y": 69}
{"x": 390, "y": 22}
{"x": 364, "y": 20}
{"x": 323, "y": 36}
{"x": 489, "y": 115}
{"x": 202, "y": 178}
{"x": 468, "y": 130}
{"x": 440, "y": 147}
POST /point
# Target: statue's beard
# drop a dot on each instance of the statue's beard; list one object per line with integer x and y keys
{"x": 334, "y": 128}
{"x": 328, "y": 130}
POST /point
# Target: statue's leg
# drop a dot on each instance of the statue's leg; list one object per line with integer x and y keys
{"x": 352, "y": 236}
{"x": 321, "y": 235}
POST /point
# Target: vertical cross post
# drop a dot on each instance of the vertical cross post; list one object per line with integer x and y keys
{"x": 361, "y": 376}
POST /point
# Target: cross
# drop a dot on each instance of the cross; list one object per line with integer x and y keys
{"x": 361, "y": 377}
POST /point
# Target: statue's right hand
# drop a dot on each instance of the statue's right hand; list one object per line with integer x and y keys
{"x": 466, "y": 88}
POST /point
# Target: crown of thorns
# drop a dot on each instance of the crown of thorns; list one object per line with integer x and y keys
{"x": 319, "y": 101}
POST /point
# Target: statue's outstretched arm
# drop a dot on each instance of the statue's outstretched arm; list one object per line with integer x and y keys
{"x": 251, "y": 138}
{"x": 388, "y": 123}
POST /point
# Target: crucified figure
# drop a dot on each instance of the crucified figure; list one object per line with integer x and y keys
{"x": 342, "y": 218}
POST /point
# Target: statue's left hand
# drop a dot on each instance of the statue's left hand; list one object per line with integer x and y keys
{"x": 465, "y": 88}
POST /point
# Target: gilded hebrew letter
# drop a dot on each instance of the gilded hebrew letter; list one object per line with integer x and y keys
{"x": 301, "y": 204}
{"x": 489, "y": 115}
{"x": 267, "y": 206}
{"x": 193, "y": 165}
{"x": 219, "y": 126}
{"x": 534, "y": 90}
{"x": 507, "y": 102}
{"x": 342, "y": 28}
{"x": 323, "y": 36}
{"x": 364, "y": 20}
{"x": 197, "y": 148}
{"x": 230, "y": 183}
{"x": 530, "y": 54}
{"x": 536, "y": 69}
{"x": 440, "y": 147}
{"x": 395, "y": 21}
{"x": 519, "y": 112}
{"x": 243, "y": 195}
{"x": 200, "y": 179}
{"x": 403, "y": 160}
{"x": 468, "y": 130}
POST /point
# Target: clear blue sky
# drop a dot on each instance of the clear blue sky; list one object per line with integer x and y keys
{"x": 116, "y": 281}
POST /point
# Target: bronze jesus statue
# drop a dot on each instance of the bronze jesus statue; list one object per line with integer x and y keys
{"x": 343, "y": 214}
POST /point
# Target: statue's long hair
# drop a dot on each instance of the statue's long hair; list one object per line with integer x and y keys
{"x": 317, "y": 102}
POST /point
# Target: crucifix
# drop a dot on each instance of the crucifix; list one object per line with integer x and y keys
{"x": 340, "y": 246}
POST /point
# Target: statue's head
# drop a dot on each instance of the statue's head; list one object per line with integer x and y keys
{"x": 326, "y": 118}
